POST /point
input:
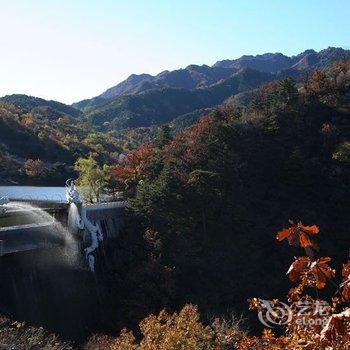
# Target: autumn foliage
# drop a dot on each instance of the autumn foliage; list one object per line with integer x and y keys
{"x": 35, "y": 168}
{"x": 302, "y": 330}
{"x": 305, "y": 331}
{"x": 131, "y": 169}
{"x": 213, "y": 189}
{"x": 298, "y": 234}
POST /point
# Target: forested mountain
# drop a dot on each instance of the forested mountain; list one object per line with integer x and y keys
{"x": 42, "y": 131}
{"x": 143, "y": 100}
{"x": 158, "y": 106}
{"x": 50, "y": 109}
{"x": 195, "y": 76}
{"x": 123, "y": 116}
{"x": 209, "y": 200}
{"x": 191, "y": 77}
{"x": 204, "y": 201}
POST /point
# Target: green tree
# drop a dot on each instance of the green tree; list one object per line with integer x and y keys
{"x": 92, "y": 178}
{"x": 163, "y": 136}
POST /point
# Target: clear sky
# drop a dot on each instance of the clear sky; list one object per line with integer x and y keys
{"x": 69, "y": 50}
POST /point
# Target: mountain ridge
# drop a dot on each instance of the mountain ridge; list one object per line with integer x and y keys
{"x": 159, "y": 106}
{"x": 196, "y": 76}
{"x": 144, "y": 100}
{"x": 53, "y": 109}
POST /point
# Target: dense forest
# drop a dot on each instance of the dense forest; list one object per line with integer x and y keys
{"x": 209, "y": 199}
{"x": 49, "y": 137}
{"x": 52, "y": 135}
{"x": 204, "y": 205}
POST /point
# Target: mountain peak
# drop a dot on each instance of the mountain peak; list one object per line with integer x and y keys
{"x": 275, "y": 62}
{"x": 132, "y": 102}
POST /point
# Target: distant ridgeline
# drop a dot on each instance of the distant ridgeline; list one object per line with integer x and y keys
{"x": 145, "y": 100}
{"x": 128, "y": 113}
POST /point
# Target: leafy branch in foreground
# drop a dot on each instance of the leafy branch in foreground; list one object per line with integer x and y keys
{"x": 311, "y": 323}
{"x": 325, "y": 325}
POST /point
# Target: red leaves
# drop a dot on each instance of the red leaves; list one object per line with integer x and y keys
{"x": 314, "y": 323}
{"x": 311, "y": 230}
{"x": 298, "y": 268}
{"x": 190, "y": 147}
{"x": 337, "y": 327}
{"x": 35, "y": 168}
{"x": 298, "y": 234}
{"x": 304, "y": 269}
{"x": 311, "y": 273}
{"x": 346, "y": 282}
{"x": 321, "y": 272}
{"x": 318, "y": 82}
{"x": 135, "y": 163}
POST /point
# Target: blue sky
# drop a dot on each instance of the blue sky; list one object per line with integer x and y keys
{"x": 69, "y": 50}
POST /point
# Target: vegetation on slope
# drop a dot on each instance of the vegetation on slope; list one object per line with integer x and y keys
{"x": 207, "y": 199}
{"x": 203, "y": 204}
{"x": 56, "y": 134}
{"x": 20, "y": 336}
{"x": 159, "y": 106}
{"x": 57, "y": 139}
{"x": 307, "y": 321}
{"x": 50, "y": 109}
{"x": 194, "y": 76}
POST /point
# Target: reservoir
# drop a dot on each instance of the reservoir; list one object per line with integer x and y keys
{"x": 56, "y": 194}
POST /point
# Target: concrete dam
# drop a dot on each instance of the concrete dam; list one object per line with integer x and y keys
{"x": 56, "y": 262}
{"x": 35, "y": 225}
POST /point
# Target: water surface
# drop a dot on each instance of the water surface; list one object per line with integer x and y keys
{"x": 33, "y": 193}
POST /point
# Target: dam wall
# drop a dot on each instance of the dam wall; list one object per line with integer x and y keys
{"x": 41, "y": 224}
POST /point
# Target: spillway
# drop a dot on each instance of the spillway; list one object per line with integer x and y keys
{"x": 36, "y": 225}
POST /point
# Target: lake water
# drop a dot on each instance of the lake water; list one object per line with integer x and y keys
{"x": 34, "y": 193}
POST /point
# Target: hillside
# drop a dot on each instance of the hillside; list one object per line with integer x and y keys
{"x": 204, "y": 204}
{"x": 191, "y": 77}
{"x": 42, "y": 130}
{"x": 125, "y": 115}
{"x": 158, "y": 106}
{"x": 144, "y": 100}
{"x": 50, "y": 109}
{"x": 211, "y": 198}
{"x": 195, "y": 76}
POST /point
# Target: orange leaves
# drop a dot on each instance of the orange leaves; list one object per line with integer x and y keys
{"x": 35, "y": 168}
{"x": 135, "y": 163}
{"x": 311, "y": 273}
{"x": 346, "y": 281}
{"x": 191, "y": 146}
{"x": 318, "y": 82}
{"x": 304, "y": 269}
{"x": 181, "y": 330}
{"x": 311, "y": 230}
{"x": 298, "y": 268}
{"x": 313, "y": 323}
{"x": 321, "y": 272}
{"x": 338, "y": 327}
{"x": 298, "y": 234}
